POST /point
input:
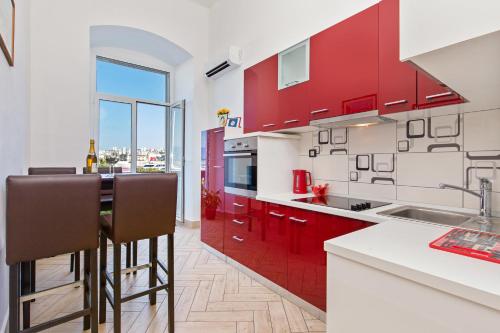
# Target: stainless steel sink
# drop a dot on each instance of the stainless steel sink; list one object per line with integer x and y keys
{"x": 436, "y": 216}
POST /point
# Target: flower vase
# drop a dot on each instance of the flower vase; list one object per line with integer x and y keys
{"x": 223, "y": 120}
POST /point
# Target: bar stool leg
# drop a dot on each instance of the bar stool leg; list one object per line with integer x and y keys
{"x": 170, "y": 279}
{"x": 71, "y": 263}
{"x": 117, "y": 306}
{"x": 26, "y": 289}
{"x": 127, "y": 259}
{"x": 93, "y": 292}
{"x": 33, "y": 276}
{"x": 86, "y": 289}
{"x": 153, "y": 270}
{"x": 77, "y": 266}
{"x": 134, "y": 255}
{"x": 14, "y": 298}
{"x": 102, "y": 269}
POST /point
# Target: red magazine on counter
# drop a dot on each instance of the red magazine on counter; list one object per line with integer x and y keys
{"x": 471, "y": 243}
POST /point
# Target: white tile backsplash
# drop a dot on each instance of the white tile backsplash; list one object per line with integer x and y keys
{"x": 482, "y": 130}
{"x": 332, "y": 167}
{"x": 372, "y": 139}
{"x": 452, "y": 198}
{"x": 375, "y": 191}
{"x": 429, "y": 169}
{"x": 443, "y": 147}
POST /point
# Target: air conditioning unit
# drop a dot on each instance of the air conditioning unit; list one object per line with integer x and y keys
{"x": 230, "y": 61}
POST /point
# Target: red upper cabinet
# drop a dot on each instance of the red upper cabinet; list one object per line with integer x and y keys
{"x": 261, "y": 96}
{"x": 294, "y": 106}
{"x": 432, "y": 93}
{"x": 212, "y": 211}
{"x": 397, "y": 80}
{"x": 344, "y": 67}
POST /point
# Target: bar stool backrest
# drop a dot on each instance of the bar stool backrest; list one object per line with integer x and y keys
{"x": 144, "y": 206}
{"x": 51, "y": 215}
{"x": 51, "y": 171}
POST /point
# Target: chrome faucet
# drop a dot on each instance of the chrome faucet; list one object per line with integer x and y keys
{"x": 484, "y": 195}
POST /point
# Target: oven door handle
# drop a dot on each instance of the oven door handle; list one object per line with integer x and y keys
{"x": 238, "y": 154}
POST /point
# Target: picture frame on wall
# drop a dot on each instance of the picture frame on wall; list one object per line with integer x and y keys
{"x": 7, "y": 26}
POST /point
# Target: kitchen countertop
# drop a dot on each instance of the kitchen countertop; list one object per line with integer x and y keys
{"x": 401, "y": 247}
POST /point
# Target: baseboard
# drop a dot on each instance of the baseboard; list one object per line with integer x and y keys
{"x": 191, "y": 224}
{"x": 3, "y": 328}
{"x": 269, "y": 284}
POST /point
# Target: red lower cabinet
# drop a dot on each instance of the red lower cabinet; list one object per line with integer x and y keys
{"x": 271, "y": 244}
{"x": 243, "y": 220}
{"x": 304, "y": 253}
{"x": 307, "y": 231}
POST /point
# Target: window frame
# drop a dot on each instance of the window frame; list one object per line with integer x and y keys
{"x": 133, "y": 102}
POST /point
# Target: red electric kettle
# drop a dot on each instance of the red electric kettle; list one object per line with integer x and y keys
{"x": 301, "y": 180}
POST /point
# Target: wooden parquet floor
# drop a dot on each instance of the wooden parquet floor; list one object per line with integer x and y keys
{"x": 210, "y": 296}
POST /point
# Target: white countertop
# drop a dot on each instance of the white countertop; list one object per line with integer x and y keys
{"x": 401, "y": 248}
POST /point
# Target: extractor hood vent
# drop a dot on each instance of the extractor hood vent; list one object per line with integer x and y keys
{"x": 352, "y": 120}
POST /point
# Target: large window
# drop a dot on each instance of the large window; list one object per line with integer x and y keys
{"x": 133, "y": 116}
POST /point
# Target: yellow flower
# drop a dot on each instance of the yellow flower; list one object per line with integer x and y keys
{"x": 222, "y": 111}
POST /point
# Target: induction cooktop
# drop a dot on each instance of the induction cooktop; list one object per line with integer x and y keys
{"x": 343, "y": 202}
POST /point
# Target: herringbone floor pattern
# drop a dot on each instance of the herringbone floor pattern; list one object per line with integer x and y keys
{"x": 210, "y": 295}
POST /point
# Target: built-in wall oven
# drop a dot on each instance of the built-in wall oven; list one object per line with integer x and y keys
{"x": 240, "y": 166}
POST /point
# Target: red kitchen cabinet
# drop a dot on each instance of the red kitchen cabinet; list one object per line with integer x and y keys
{"x": 271, "y": 261}
{"x": 294, "y": 106}
{"x": 344, "y": 67}
{"x": 304, "y": 253}
{"x": 243, "y": 220}
{"x": 331, "y": 226}
{"x": 212, "y": 212}
{"x": 432, "y": 93}
{"x": 261, "y": 96}
{"x": 397, "y": 80}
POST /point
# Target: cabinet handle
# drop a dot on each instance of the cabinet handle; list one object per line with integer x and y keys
{"x": 238, "y": 222}
{"x": 449, "y": 93}
{"x": 319, "y": 111}
{"x": 217, "y": 166}
{"x": 297, "y": 220}
{"x": 401, "y": 101}
{"x": 277, "y": 215}
{"x": 268, "y": 125}
{"x": 219, "y": 131}
{"x": 236, "y": 238}
{"x": 291, "y": 121}
{"x": 238, "y": 205}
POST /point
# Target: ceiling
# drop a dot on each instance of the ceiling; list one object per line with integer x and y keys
{"x": 205, "y": 3}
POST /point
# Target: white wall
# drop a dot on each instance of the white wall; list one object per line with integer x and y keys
{"x": 61, "y": 72}
{"x": 263, "y": 28}
{"x": 14, "y": 133}
{"x": 430, "y": 25}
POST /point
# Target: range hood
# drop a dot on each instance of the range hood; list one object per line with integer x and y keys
{"x": 352, "y": 120}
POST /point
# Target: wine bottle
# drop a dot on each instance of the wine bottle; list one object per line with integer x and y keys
{"x": 92, "y": 158}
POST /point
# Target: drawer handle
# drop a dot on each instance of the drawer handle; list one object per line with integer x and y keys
{"x": 217, "y": 167}
{"x": 268, "y": 125}
{"x": 446, "y": 94}
{"x": 238, "y": 239}
{"x": 402, "y": 101}
{"x": 319, "y": 111}
{"x": 277, "y": 215}
{"x": 297, "y": 220}
{"x": 238, "y": 222}
{"x": 219, "y": 131}
{"x": 291, "y": 121}
{"x": 238, "y": 205}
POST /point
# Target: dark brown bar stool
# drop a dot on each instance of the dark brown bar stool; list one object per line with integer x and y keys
{"x": 38, "y": 227}
{"x": 75, "y": 257}
{"x": 144, "y": 207}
